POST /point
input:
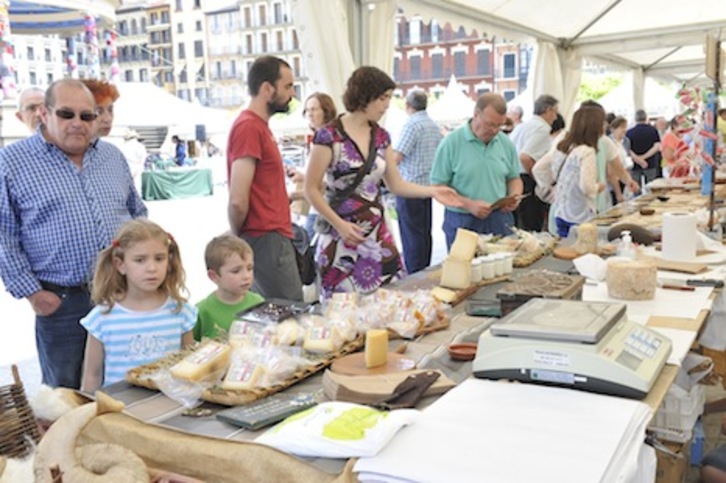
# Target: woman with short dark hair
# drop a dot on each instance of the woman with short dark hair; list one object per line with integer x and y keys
{"x": 355, "y": 250}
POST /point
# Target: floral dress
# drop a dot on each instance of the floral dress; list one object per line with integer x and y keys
{"x": 376, "y": 261}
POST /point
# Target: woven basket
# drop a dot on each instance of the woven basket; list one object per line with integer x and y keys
{"x": 18, "y": 429}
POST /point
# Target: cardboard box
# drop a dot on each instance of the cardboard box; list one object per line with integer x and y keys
{"x": 671, "y": 469}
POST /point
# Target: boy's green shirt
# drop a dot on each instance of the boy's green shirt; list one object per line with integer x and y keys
{"x": 215, "y": 314}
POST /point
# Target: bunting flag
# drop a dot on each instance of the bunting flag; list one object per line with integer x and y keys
{"x": 72, "y": 58}
{"x": 93, "y": 63}
{"x": 112, "y": 54}
{"x": 7, "y": 59}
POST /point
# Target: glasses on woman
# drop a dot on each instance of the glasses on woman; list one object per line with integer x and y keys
{"x": 67, "y": 114}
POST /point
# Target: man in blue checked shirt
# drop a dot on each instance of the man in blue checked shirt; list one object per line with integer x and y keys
{"x": 62, "y": 198}
{"x": 414, "y": 152}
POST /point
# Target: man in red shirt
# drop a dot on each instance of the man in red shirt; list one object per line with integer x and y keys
{"x": 259, "y": 208}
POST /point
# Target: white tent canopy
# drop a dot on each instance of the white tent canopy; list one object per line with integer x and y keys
{"x": 661, "y": 38}
{"x": 453, "y": 105}
{"x": 144, "y": 104}
{"x": 657, "y": 101}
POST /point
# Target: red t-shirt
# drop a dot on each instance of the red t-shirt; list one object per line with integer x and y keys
{"x": 269, "y": 205}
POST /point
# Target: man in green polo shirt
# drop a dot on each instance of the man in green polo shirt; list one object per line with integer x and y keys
{"x": 482, "y": 165}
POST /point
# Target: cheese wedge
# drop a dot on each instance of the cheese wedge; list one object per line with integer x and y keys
{"x": 456, "y": 273}
{"x": 443, "y": 294}
{"x": 376, "y": 352}
{"x": 211, "y": 357}
{"x": 464, "y": 246}
{"x": 243, "y": 376}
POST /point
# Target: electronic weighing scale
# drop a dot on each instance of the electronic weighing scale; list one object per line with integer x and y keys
{"x": 582, "y": 345}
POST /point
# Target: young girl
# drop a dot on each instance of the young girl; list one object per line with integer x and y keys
{"x": 141, "y": 313}
{"x": 575, "y": 171}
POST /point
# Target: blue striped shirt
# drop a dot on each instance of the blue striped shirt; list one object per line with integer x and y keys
{"x": 54, "y": 217}
{"x": 419, "y": 138}
{"x": 131, "y": 338}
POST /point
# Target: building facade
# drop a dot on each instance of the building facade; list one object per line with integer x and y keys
{"x": 241, "y": 32}
{"x": 202, "y": 50}
{"x": 428, "y": 54}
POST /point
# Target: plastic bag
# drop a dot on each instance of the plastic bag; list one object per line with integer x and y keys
{"x": 337, "y": 430}
{"x": 714, "y": 334}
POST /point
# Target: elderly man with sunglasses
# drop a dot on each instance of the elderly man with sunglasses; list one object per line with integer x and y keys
{"x": 63, "y": 195}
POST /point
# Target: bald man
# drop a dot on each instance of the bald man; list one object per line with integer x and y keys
{"x": 62, "y": 198}
{"x": 29, "y": 103}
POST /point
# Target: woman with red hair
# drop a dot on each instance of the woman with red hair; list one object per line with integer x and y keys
{"x": 105, "y": 94}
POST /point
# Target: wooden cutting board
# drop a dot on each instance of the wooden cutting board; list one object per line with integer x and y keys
{"x": 355, "y": 365}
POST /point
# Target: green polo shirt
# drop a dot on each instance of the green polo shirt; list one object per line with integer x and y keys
{"x": 476, "y": 170}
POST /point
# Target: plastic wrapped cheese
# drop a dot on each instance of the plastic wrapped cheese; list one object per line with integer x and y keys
{"x": 631, "y": 279}
{"x": 586, "y": 239}
{"x": 243, "y": 376}
{"x": 288, "y": 332}
{"x": 240, "y": 332}
{"x": 322, "y": 339}
{"x": 212, "y": 357}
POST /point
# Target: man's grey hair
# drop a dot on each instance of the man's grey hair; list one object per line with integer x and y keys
{"x": 516, "y": 110}
{"x": 544, "y": 102}
{"x": 417, "y": 99}
{"x": 28, "y": 91}
{"x": 641, "y": 115}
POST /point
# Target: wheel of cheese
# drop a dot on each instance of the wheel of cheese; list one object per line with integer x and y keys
{"x": 630, "y": 279}
{"x": 640, "y": 235}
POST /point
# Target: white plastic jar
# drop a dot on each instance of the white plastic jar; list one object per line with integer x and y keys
{"x": 487, "y": 267}
{"x": 476, "y": 273}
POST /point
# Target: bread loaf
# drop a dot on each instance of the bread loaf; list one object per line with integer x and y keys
{"x": 631, "y": 279}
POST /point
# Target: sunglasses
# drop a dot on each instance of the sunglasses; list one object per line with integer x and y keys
{"x": 67, "y": 114}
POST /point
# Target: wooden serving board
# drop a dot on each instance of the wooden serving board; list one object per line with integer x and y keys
{"x": 355, "y": 365}
{"x": 569, "y": 253}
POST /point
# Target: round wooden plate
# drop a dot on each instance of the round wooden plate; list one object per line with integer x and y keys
{"x": 565, "y": 253}
{"x": 355, "y": 365}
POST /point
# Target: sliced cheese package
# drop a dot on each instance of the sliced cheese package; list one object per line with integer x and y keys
{"x": 244, "y": 375}
{"x": 239, "y": 332}
{"x": 288, "y": 332}
{"x": 211, "y": 358}
{"x": 322, "y": 339}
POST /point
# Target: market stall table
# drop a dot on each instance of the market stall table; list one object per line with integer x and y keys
{"x": 176, "y": 183}
{"x": 206, "y": 447}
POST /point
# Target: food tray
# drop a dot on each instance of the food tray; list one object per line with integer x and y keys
{"x": 273, "y": 311}
{"x": 522, "y": 260}
{"x": 141, "y": 376}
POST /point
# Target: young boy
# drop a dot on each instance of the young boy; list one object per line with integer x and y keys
{"x": 230, "y": 265}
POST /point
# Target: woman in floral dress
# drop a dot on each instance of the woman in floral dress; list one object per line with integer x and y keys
{"x": 355, "y": 250}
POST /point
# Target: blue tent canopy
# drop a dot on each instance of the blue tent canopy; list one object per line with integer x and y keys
{"x": 58, "y": 16}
